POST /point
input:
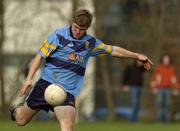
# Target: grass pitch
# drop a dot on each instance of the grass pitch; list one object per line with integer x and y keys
{"x": 92, "y": 126}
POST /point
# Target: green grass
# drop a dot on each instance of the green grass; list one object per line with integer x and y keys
{"x": 92, "y": 126}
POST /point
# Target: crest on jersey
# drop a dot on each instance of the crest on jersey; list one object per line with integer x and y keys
{"x": 72, "y": 56}
{"x": 87, "y": 44}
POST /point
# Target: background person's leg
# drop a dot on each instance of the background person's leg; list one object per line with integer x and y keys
{"x": 66, "y": 117}
{"x": 135, "y": 94}
{"x": 160, "y": 105}
{"x": 167, "y": 104}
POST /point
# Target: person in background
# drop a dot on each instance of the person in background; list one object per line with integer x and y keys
{"x": 164, "y": 83}
{"x": 133, "y": 82}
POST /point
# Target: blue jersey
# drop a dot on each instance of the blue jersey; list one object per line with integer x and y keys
{"x": 66, "y": 58}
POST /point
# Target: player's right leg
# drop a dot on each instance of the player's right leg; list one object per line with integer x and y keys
{"x": 34, "y": 102}
{"x": 22, "y": 114}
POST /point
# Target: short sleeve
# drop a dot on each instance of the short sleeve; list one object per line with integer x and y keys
{"x": 49, "y": 45}
{"x": 101, "y": 49}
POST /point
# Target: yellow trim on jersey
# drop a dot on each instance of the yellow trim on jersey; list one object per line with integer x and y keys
{"x": 47, "y": 45}
{"x": 98, "y": 47}
{"x": 44, "y": 51}
{"x": 108, "y": 50}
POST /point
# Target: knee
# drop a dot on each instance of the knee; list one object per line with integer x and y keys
{"x": 20, "y": 121}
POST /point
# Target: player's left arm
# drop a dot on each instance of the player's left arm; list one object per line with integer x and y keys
{"x": 121, "y": 52}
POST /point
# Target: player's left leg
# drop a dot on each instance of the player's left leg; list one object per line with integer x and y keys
{"x": 66, "y": 117}
{"x": 66, "y": 113}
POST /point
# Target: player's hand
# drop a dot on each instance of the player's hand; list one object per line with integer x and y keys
{"x": 175, "y": 92}
{"x": 146, "y": 61}
{"x": 154, "y": 90}
{"x": 126, "y": 88}
{"x": 27, "y": 84}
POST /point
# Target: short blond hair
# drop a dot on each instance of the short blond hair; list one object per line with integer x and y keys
{"x": 82, "y": 18}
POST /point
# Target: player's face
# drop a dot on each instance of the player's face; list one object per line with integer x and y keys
{"x": 77, "y": 31}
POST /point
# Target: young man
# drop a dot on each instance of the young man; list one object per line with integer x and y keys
{"x": 66, "y": 52}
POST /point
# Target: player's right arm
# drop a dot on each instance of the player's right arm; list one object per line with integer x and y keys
{"x": 45, "y": 50}
{"x": 33, "y": 68}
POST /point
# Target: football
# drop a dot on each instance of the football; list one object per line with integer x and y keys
{"x": 55, "y": 94}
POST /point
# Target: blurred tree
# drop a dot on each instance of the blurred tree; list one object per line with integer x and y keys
{"x": 101, "y": 8}
{"x": 75, "y": 5}
{"x": 22, "y": 36}
{"x": 2, "y": 102}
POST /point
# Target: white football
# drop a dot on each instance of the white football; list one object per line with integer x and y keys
{"x": 55, "y": 94}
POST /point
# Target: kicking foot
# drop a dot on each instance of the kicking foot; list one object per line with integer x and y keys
{"x": 12, "y": 111}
